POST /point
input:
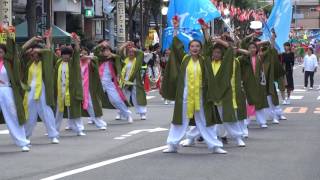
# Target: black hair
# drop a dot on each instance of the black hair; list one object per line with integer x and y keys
{"x": 255, "y": 44}
{"x": 3, "y": 47}
{"x": 100, "y": 41}
{"x": 218, "y": 46}
{"x": 66, "y": 51}
{"x": 195, "y": 40}
{"x": 106, "y": 48}
{"x": 287, "y": 44}
{"x": 85, "y": 49}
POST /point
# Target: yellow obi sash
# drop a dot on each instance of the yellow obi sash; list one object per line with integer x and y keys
{"x": 233, "y": 85}
{"x": 124, "y": 71}
{"x": 66, "y": 102}
{"x": 35, "y": 70}
{"x": 194, "y": 78}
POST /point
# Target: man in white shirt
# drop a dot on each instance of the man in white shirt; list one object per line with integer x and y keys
{"x": 310, "y": 65}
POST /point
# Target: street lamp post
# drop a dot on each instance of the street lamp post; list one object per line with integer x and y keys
{"x": 164, "y": 12}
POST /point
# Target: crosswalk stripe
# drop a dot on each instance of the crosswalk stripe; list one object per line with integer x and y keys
{"x": 296, "y": 97}
{"x": 2, "y": 132}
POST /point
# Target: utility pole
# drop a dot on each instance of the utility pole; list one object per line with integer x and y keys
{"x": 48, "y": 10}
{"x": 121, "y": 22}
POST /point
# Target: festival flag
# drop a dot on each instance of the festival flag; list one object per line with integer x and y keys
{"x": 189, "y": 12}
{"x": 279, "y": 20}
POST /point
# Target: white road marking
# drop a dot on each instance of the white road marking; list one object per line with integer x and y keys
{"x": 150, "y": 97}
{"x": 103, "y": 163}
{"x": 3, "y": 132}
{"x": 129, "y": 134}
{"x": 299, "y": 90}
{"x": 296, "y": 97}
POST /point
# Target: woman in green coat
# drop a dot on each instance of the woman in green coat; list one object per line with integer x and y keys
{"x": 91, "y": 103}
{"x": 131, "y": 78}
{"x": 11, "y": 107}
{"x": 191, "y": 102}
{"x": 227, "y": 88}
{"x": 68, "y": 88}
{"x": 37, "y": 69}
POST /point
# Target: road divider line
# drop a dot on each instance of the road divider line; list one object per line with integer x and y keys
{"x": 103, "y": 163}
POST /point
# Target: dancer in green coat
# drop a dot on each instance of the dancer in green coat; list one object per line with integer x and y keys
{"x": 191, "y": 101}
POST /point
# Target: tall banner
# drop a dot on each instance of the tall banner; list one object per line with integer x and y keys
{"x": 121, "y": 22}
{"x": 279, "y": 20}
{"x": 188, "y": 12}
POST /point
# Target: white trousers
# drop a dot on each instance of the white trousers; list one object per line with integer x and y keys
{"x": 244, "y": 126}
{"x": 97, "y": 120}
{"x": 209, "y": 134}
{"x": 261, "y": 116}
{"x": 274, "y": 111}
{"x": 232, "y": 129}
{"x": 142, "y": 110}
{"x": 39, "y": 108}
{"x": 115, "y": 99}
{"x": 9, "y": 111}
{"x": 75, "y": 124}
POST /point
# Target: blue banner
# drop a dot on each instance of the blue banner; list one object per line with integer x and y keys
{"x": 188, "y": 12}
{"x": 279, "y": 20}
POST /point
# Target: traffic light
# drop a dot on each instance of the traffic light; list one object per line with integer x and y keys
{"x": 88, "y": 8}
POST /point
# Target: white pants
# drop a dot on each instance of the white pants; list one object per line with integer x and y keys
{"x": 209, "y": 134}
{"x": 75, "y": 124}
{"x": 244, "y": 127}
{"x": 274, "y": 111}
{"x": 233, "y": 129}
{"x": 142, "y": 110}
{"x": 116, "y": 100}
{"x": 97, "y": 120}
{"x": 9, "y": 111}
{"x": 39, "y": 108}
{"x": 261, "y": 116}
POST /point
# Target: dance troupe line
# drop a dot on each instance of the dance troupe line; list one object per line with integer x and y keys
{"x": 217, "y": 87}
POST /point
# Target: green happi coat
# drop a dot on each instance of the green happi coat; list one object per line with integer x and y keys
{"x": 12, "y": 65}
{"x": 274, "y": 71}
{"x": 137, "y": 78}
{"x": 75, "y": 85}
{"x": 94, "y": 88}
{"x": 211, "y": 113}
{"x": 240, "y": 94}
{"x": 48, "y": 61}
{"x": 256, "y": 93}
{"x": 221, "y": 82}
{"x": 172, "y": 70}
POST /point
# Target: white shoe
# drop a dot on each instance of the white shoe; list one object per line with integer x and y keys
{"x": 166, "y": 102}
{"x": 103, "y": 128}
{"x": 25, "y": 149}
{"x": 90, "y": 122}
{"x": 282, "y": 117}
{"x": 284, "y": 102}
{"x": 219, "y": 150}
{"x": 240, "y": 142}
{"x": 143, "y": 117}
{"x": 118, "y": 117}
{"x": 55, "y": 141}
{"x": 275, "y": 121}
{"x": 311, "y": 88}
{"x": 67, "y": 128}
{"x": 264, "y": 126}
{"x": 187, "y": 143}
{"x": 130, "y": 120}
{"x": 246, "y": 136}
{"x": 170, "y": 149}
{"x": 81, "y": 134}
{"x": 305, "y": 88}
